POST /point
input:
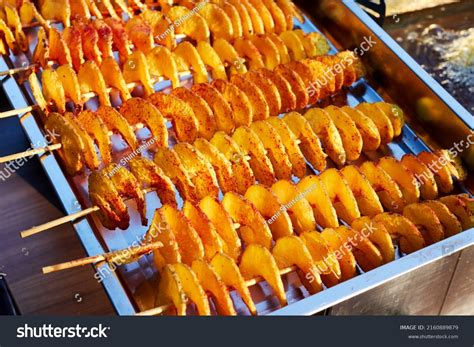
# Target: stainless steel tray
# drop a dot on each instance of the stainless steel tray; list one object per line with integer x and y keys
{"x": 345, "y": 25}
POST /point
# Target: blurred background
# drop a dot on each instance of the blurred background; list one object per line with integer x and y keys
{"x": 439, "y": 35}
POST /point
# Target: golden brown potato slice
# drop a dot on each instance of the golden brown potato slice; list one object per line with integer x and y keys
{"x": 381, "y": 120}
{"x": 274, "y": 147}
{"x": 164, "y": 31}
{"x": 423, "y": 175}
{"x": 271, "y": 209}
{"x": 120, "y": 38}
{"x": 287, "y": 97}
{"x": 72, "y": 146}
{"x": 310, "y": 144}
{"x": 136, "y": 110}
{"x": 229, "y": 56}
{"x": 386, "y": 188}
{"x": 260, "y": 107}
{"x": 454, "y": 163}
{"x": 246, "y": 22}
{"x": 343, "y": 254}
{"x": 222, "y": 221}
{"x": 170, "y": 291}
{"x": 461, "y": 206}
{"x": 202, "y": 111}
{"x": 298, "y": 207}
{"x": 322, "y": 80}
{"x": 341, "y": 195}
{"x": 190, "y": 55}
{"x": 212, "y": 283}
{"x": 258, "y": 261}
{"x": 243, "y": 174}
{"x": 439, "y": 167}
{"x": 253, "y": 227}
{"x": 140, "y": 34}
{"x": 210, "y": 58}
{"x": 306, "y": 72}
{"x": 290, "y": 10}
{"x": 395, "y": 114}
{"x": 221, "y": 164}
{"x": 265, "y": 15}
{"x": 291, "y": 144}
{"x": 294, "y": 44}
{"x": 233, "y": 15}
{"x": 282, "y": 49}
{"x": 59, "y": 51}
{"x": 315, "y": 44}
{"x": 238, "y": 101}
{"x": 378, "y": 235}
{"x": 367, "y": 199}
{"x": 162, "y": 64}
{"x": 189, "y": 242}
{"x": 41, "y": 51}
{"x": 410, "y": 238}
{"x": 247, "y": 50}
{"x": 192, "y": 288}
{"x": 297, "y": 86}
{"x": 323, "y": 257}
{"x": 37, "y": 92}
{"x": 252, "y": 146}
{"x": 113, "y": 77}
{"x": 152, "y": 177}
{"x": 324, "y": 127}
{"x": 268, "y": 50}
{"x": 169, "y": 161}
{"x": 354, "y": 67}
{"x": 230, "y": 274}
{"x": 207, "y": 232}
{"x": 451, "y": 225}
{"x": 200, "y": 170}
{"x": 128, "y": 187}
{"x": 291, "y": 250}
{"x": 277, "y": 14}
{"x": 194, "y": 27}
{"x": 53, "y": 89}
{"x": 269, "y": 89}
{"x": 222, "y": 110}
{"x": 114, "y": 121}
{"x": 180, "y": 113}
{"x": 68, "y": 79}
{"x": 136, "y": 70}
{"x": 351, "y": 138}
{"x": 367, "y": 255}
{"x": 105, "y": 37}
{"x": 160, "y": 231}
{"x": 367, "y": 129}
{"x": 113, "y": 211}
{"x": 218, "y": 21}
{"x": 96, "y": 128}
{"x": 257, "y": 22}
{"x": 317, "y": 196}
{"x": 404, "y": 178}
{"x": 91, "y": 80}
{"x": 91, "y": 158}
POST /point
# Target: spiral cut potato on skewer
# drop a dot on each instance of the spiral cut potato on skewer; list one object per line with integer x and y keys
{"x": 223, "y": 164}
{"x": 275, "y": 148}
{"x": 191, "y": 276}
{"x": 101, "y": 76}
{"x": 200, "y": 21}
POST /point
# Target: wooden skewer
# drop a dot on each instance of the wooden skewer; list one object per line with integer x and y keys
{"x": 63, "y": 220}
{"x": 17, "y": 70}
{"x": 17, "y": 112}
{"x": 160, "y": 309}
{"x": 30, "y": 153}
{"x": 138, "y": 250}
